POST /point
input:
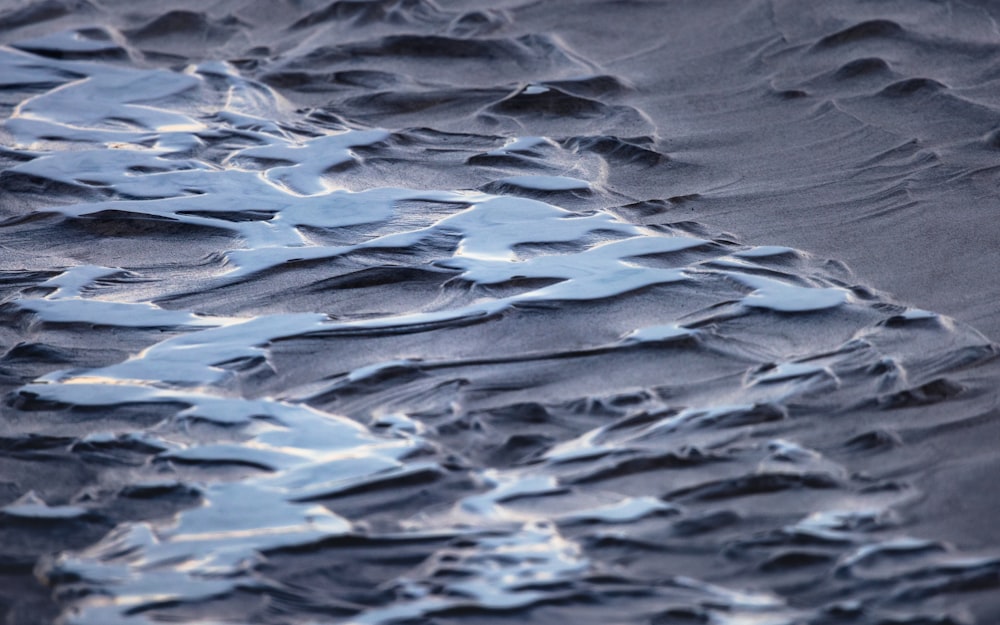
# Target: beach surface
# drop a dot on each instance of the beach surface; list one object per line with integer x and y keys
{"x": 413, "y": 311}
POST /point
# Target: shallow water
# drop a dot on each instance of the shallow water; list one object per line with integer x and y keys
{"x": 277, "y": 364}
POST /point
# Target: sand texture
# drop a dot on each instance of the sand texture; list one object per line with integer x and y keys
{"x": 450, "y": 312}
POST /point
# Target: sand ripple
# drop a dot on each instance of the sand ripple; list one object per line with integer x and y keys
{"x": 351, "y": 363}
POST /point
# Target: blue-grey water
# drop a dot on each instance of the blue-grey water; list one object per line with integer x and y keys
{"x": 420, "y": 354}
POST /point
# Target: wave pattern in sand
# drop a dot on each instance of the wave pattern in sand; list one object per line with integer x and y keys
{"x": 286, "y": 365}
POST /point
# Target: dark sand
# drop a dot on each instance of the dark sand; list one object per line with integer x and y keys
{"x": 438, "y": 312}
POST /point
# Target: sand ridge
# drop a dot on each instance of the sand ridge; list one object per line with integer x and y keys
{"x": 413, "y": 311}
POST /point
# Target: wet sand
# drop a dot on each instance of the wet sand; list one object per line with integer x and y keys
{"x": 416, "y": 312}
